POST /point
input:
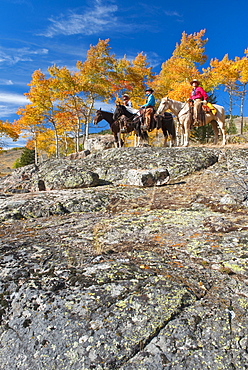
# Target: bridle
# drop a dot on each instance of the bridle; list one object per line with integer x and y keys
{"x": 98, "y": 117}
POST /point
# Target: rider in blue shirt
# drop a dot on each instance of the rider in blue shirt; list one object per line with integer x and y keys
{"x": 150, "y": 101}
{"x": 149, "y": 110}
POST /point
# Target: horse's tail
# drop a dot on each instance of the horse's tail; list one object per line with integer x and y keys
{"x": 167, "y": 124}
{"x": 173, "y": 129}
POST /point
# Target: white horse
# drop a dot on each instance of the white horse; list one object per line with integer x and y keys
{"x": 182, "y": 111}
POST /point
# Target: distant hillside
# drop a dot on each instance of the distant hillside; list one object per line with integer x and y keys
{"x": 7, "y": 160}
{"x": 237, "y": 122}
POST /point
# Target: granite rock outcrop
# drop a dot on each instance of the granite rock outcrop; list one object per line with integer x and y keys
{"x": 132, "y": 258}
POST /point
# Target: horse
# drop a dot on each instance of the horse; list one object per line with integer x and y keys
{"x": 114, "y": 125}
{"x": 184, "y": 114}
{"x": 165, "y": 122}
{"x": 129, "y": 122}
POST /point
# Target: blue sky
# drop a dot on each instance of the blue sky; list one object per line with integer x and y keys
{"x": 38, "y": 34}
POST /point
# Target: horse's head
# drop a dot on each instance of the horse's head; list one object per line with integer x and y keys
{"x": 118, "y": 111}
{"x": 164, "y": 104}
{"x": 98, "y": 117}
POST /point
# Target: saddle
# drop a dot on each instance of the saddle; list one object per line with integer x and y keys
{"x": 206, "y": 108}
{"x": 209, "y": 108}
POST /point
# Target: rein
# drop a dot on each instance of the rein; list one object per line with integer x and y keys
{"x": 183, "y": 108}
{"x": 124, "y": 112}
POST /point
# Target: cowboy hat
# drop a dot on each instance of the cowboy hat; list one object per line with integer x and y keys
{"x": 194, "y": 80}
{"x": 150, "y": 89}
{"x": 126, "y": 96}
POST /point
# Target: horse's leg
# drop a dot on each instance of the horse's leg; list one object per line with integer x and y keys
{"x": 173, "y": 134}
{"x": 165, "y": 133}
{"x": 223, "y": 131}
{"x": 171, "y": 140}
{"x": 186, "y": 130}
{"x": 216, "y": 131}
{"x": 135, "y": 139}
{"x": 186, "y": 138}
{"x": 165, "y": 140}
{"x": 119, "y": 140}
{"x": 140, "y": 134}
{"x": 179, "y": 134}
{"x": 116, "y": 139}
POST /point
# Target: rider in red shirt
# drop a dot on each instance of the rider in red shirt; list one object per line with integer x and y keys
{"x": 198, "y": 96}
{"x": 197, "y": 91}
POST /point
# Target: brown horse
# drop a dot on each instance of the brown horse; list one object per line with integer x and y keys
{"x": 165, "y": 122}
{"x": 114, "y": 125}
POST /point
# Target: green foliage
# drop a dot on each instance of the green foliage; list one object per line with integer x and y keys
{"x": 212, "y": 98}
{"x": 233, "y": 116}
{"x": 231, "y": 129}
{"x": 105, "y": 132}
{"x": 16, "y": 148}
{"x": 237, "y": 139}
{"x": 202, "y": 133}
{"x": 10, "y": 150}
{"x": 27, "y": 157}
{"x": 245, "y": 128}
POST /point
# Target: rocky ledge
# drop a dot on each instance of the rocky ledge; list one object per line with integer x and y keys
{"x": 131, "y": 258}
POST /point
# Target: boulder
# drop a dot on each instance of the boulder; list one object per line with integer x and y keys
{"x": 78, "y": 155}
{"x": 147, "y": 178}
{"x": 99, "y": 142}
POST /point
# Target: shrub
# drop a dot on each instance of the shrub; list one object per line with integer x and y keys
{"x": 27, "y": 157}
{"x": 202, "y": 134}
{"x": 232, "y": 129}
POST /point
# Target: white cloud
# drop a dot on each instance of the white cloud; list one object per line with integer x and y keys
{"x": 5, "y": 82}
{"x": 15, "y": 55}
{"x": 92, "y": 21}
{"x": 172, "y": 13}
{"x": 16, "y": 99}
{"x": 109, "y": 107}
{"x": 8, "y": 143}
{"x": 9, "y": 103}
{"x": 6, "y": 111}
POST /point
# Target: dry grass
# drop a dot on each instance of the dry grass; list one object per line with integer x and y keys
{"x": 7, "y": 160}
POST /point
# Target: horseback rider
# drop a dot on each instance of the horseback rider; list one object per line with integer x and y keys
{"x": 126, "y": 100}
{"x": 128, "y": 104}
{"x": 199, "y": 98}
{"x": 149, "y": 107}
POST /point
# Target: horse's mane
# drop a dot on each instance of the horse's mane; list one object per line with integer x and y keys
{"x": 122, "y": 109}
{"x": 103, "y": 111}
